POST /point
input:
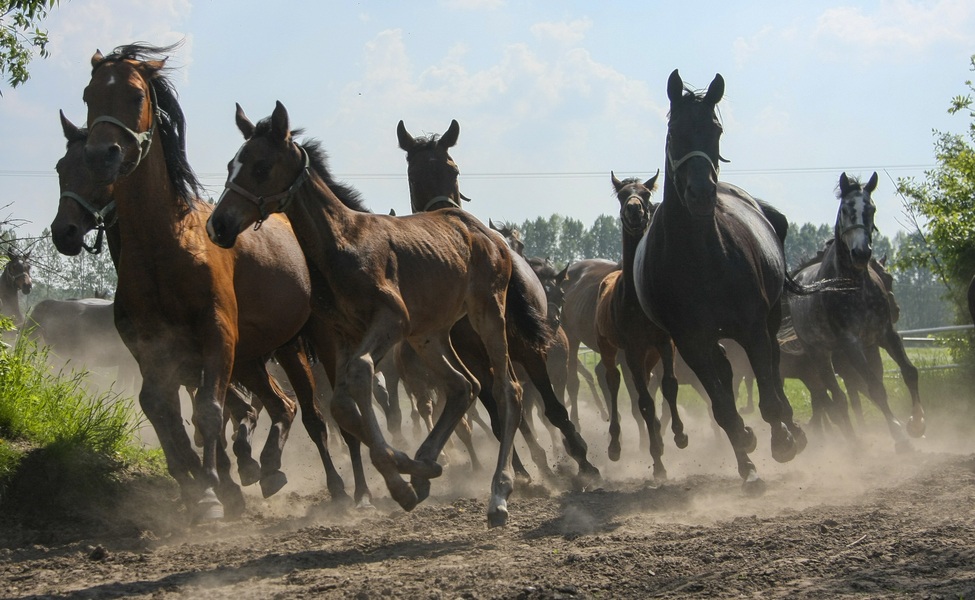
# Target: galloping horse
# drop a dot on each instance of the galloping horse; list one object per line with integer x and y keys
{"x": 711, "y": 265}
{"x": 622, "y": 325}
{"x": 380, "y": 279}
{"x": 855, "y": 323}
{"x": 15, "y": 279}
{"x": 433, "y": 180}
{"x": 191, "y": 313}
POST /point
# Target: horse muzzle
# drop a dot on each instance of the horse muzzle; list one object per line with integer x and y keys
{"x": 221, "y": 233}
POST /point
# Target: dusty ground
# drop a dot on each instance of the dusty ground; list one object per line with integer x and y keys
{"x": 834, "y": 522}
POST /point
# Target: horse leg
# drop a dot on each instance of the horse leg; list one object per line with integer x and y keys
{"x": 669, "y": 387}
{"x": 572, "y": 380}
{"x": 853, "y": 381}
{"x": 607, "y": 358}
{"x": 208, "y": 412}
{"x": 894, "y": 346}
{"x": 253, "y": 374}
{"x": 555, "y": 412}
{"x": 640, "y": 364}
{"x": 708, "y": 362}
{"x": 529, "y": 402}
{"x": 465, "y": 433}
{"x": 245, "y": 416}
{"x": 869, "y": 365}
{"x": 594, "y": 392}
{"x": 634, "y": 392}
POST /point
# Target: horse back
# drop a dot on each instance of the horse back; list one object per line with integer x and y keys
{"x": 581, "y": 290}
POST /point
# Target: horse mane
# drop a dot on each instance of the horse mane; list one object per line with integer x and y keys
{"x": 318, "y": 158}
{"x": 170, "y": 121}
{"x": 628, "y": 181}
{"x": 694, "y": 95}
{"x": 426, "y": 142}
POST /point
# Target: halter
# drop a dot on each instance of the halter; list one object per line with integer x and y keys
{"x": 283, "y": 198}
{"x": 438, "y": 200}
{"x": 99, "y": 215}
{"x": 14, "y": 279}
{"x": 646, "y": 214}
{"x": 143, "y": 139}
{"x": 676, "y": 164}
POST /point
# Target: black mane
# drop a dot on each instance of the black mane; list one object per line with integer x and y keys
{"x": 170, "y": 122}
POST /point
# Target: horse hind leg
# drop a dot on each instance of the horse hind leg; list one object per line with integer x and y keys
{"x": 895, "y": 348}
{"x": 244, "y": 415}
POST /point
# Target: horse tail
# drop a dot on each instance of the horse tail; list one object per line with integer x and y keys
{"x": 524, "y": 320}
{"x": 796, "y": 288}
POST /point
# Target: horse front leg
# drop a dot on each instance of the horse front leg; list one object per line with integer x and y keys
{"x": 641, "y": 363}
{"x": 219, "y": 489}
{"x": 869, "y": 365}
{"x": 669, "y": 388}
{"x": 894, "y": 346}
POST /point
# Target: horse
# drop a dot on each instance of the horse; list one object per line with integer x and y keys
{"x": 83, "y": 332}
{"x": 711, "y": 265}
{"x": 15, "y": 279}
{"x": 379, "y": 280}
{"x": 191, "y": 313}
{"x": 433, "y": 181}
{"x": 622, "y": 325}
{"x": 855, "y": 323}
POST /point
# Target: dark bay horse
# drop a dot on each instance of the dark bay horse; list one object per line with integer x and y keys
{"x": 712, "y": 266}
{"x": 191, "y": 313}
{"x": 621, "y": 324}
{"x": 14, "y": 280}
{"x": 379, "y": 280}
{"x": 433, "y": 180}
{"x": 853, "y": 324}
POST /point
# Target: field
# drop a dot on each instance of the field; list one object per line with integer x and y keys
{"x": 837, "y": 521}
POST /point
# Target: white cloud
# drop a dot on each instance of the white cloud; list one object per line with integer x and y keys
{"x": 571, "y": 32}
{"x": 744, "y": 48}
{"x": 896, "y": 28}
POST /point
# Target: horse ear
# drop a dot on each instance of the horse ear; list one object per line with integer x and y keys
{"x": 244, "y": 124}
{"x": 406, "y": 141}
{"x": 844, "y": 184}
{"x": 151, "y": 67}
{"x": 97, "y": 58}
{"x": 392, "y": 211}
{"x": 70, "y": 130}
{"x": 651, "y": 184}
{"x": 449, "y": 138}
{"x": 675, "y": 87}
{"x": 562, "y": 276}
{"x": 280, "y": 127}
{"x": 492, "y": 225}
{"x": 617, "y": 184}
{"x": 872, "y": 184}
{"x": 715, "y": 90}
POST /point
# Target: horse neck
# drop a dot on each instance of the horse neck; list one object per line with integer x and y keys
{"x": 838, "y": 257}
{"x": 319, "y": 220}
{"x": 149, "y": 209}
{"x": 630, "y": 243}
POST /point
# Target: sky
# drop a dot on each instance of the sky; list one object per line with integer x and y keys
{"x": 550, "y": 96}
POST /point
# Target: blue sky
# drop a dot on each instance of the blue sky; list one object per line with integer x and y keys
{"x": 550, "y": 96}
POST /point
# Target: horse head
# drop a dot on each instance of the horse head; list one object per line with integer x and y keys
{"x": 82, "y": 206}
{"x": 855, "y": 218}
{"x": 635, "y": 206}
{"x": 693, "y": 136}
{"x": 17, "y": 271}
{"x": 511, "y": 235}
{"x": 431, "y": 171}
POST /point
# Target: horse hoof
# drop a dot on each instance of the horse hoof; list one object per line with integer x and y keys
{"x": 364, "y": 504}
{"x": 422, "y": 488}
{"x": 915, "y": 427}
{"x": 249, "y": 471}
{"x": 749, "y": 442}
{"x": 588, "y": 475}
{"x": 404, "y": 495}
{"x": 753, "y": 486}
{"x": 233, "y": 501}
{"x": 800, "y": 438}
{"x": 784, "y": 447}
{"x": 208, "y": 508}
{"x": 903, "y": 447}
{"x": 271, "y": 484}
{"x": 614, "y": 450}
{"x": 659, "y": 473}
{"x": 498, "y": 517}
{"x": 680, "y": 440}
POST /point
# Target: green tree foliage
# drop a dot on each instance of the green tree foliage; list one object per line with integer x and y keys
{"x": 21, "y": 36}
{"x": 565, "y": 240}
{"x": 943, "y": 206}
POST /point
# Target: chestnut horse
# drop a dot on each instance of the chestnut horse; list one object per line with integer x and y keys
{"x": 855, "y": 324}
{"x": 190, "y": 313}
{"x": 712, "y": 265}
{"x": 379, "y": 280}
{"x": 433, "y": 180}
{"x": 622, "y": 325}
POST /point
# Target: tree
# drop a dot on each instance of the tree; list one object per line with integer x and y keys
{"x": 604, "y": 239}
{"x": 21, "y": 36}
{"x": 943, "y": 206}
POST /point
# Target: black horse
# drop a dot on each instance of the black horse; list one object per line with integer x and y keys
{"x": 856, "y": 323}
{"x": 712, "y": 266}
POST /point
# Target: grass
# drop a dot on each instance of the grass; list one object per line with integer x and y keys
{"x": 59, "y": 444}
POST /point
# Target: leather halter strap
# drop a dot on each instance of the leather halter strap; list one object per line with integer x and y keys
{"x": 283, "y": 198}
{"x": 440, "y": 200}
{"x": 99, "y": 215}
{"x": 142, "y": 139}
{"x": 676, "y": 164}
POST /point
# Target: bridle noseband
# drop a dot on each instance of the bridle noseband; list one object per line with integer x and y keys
{"x": 143, "y": 139}
{"x": 99, "y": 215}
{"x": 283, "y": 198}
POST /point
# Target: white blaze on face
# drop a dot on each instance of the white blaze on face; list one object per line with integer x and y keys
{"x": 235, "y": 168}
{"x": 111, "y": 80}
